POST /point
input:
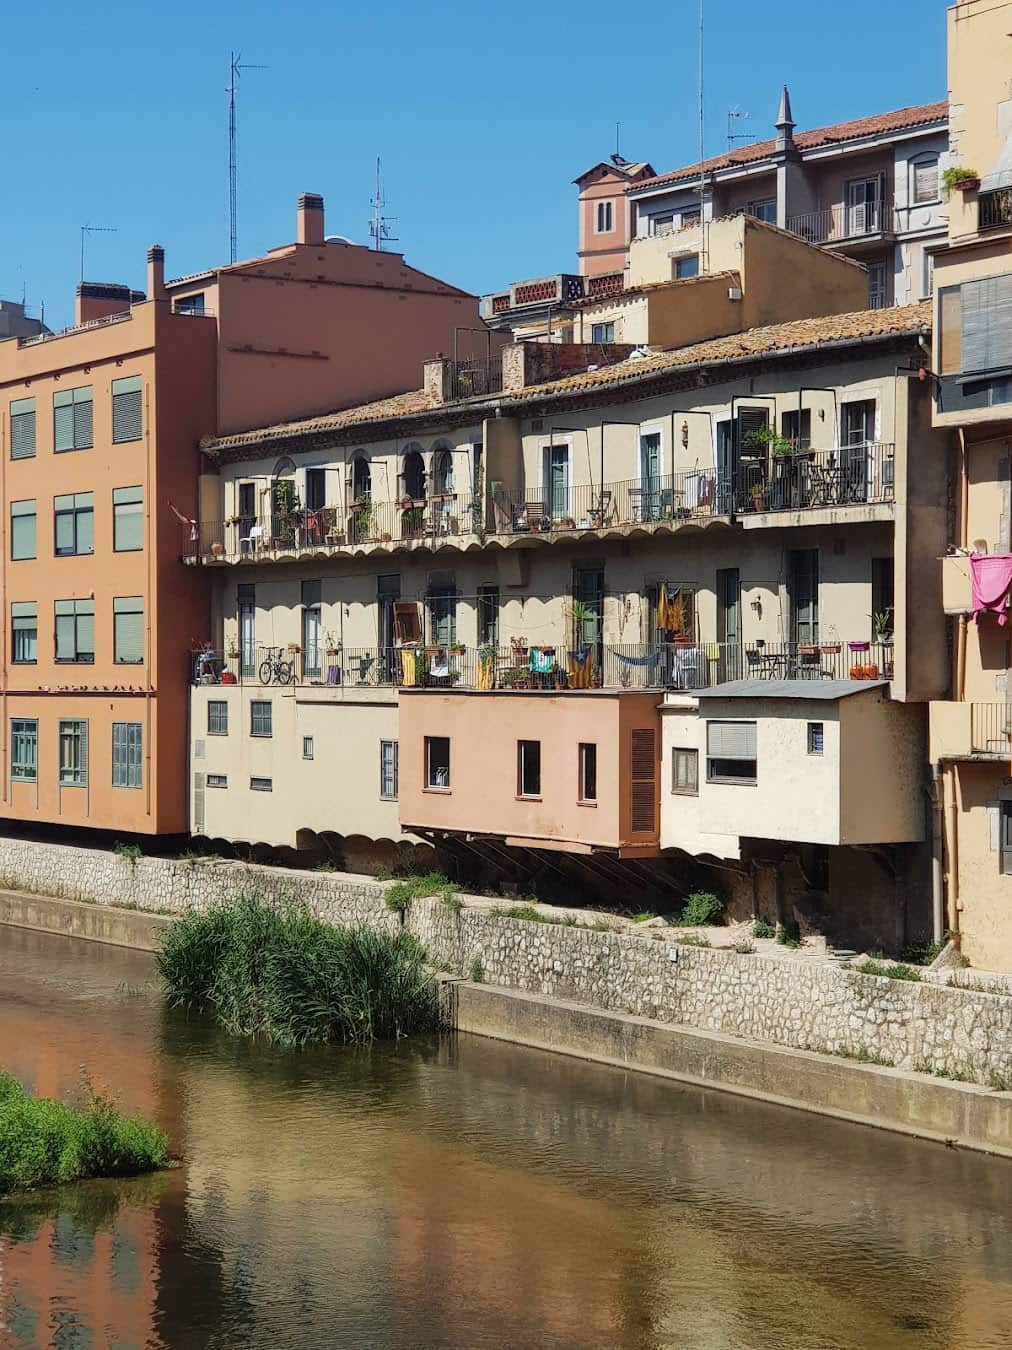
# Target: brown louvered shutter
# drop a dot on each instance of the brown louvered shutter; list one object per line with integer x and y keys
{"x": 643, "y": 780}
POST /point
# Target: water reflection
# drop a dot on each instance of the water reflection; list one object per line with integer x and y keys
{"x": 469, "y": 1194}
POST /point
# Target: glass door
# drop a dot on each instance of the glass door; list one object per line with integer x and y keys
{"x": 557, "y": 481}
{"x": 247, "y": 631}
{"x": 588, "y": 612}
{"x": 650, "y": 476}
{"x": 388, "y": 592}
{"x": 803, "y": 595}
{"x": 729, "y": 623}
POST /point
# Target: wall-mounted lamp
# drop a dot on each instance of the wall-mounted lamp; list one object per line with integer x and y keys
{"x": 822, "y": 414}
{"x": 757, "y": 605}
{"x": 685, "y": 435}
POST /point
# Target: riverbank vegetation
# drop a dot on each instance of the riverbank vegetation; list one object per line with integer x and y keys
{"x": 47, "y": 1143}
{"x": 283, "y": 974}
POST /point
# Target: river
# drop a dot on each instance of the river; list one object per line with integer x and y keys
{"x": 468, "y": 1194}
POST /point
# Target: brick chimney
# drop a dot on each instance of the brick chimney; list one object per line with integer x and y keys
{"x": 98, "y": 299}
{"x": 310, "y": 219}
{"x": 156, "y": 272}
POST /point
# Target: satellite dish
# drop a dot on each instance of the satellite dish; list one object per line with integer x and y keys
{"x": 338, "y": 239}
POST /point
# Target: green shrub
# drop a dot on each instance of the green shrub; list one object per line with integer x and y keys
{"x": 46, "y": 1143}
{"x": 400, "y": 896}
{"x": 923, "y": 953}
{"x": 645, "y": 917}
{"x": 476, "y": 971}
{"x": 762, "y": 929}
{"x": 130, "y": 853}
{"x": 789, "y": 933}
{"x": 897, "y": 972}
{"x": 701, "y": 907}
{"x": 283, "y": 974}
{"x": 452, "y": 902}
{"x": 693, "y": 940}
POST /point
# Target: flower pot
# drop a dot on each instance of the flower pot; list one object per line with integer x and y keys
{"x": 859, "y": 646}
{"x": 227, "y": 677}
{"x": 967, "y": 184}
{"x": 830, "y": 649}
{"x": 217, "y": 549}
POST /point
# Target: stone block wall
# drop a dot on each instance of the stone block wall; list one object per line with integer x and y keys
{"x": 801, "y": 1003}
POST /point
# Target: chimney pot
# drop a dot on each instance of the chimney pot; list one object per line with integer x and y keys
{"x": 156, "y": 272}
{"x": 310, "y": 219}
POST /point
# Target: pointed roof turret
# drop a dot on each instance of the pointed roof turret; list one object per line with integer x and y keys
{"x": 785, "y": 122}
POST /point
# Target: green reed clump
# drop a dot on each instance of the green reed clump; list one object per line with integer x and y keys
{"x": 47, "y": 1143}
{"x": 281, "y": 973}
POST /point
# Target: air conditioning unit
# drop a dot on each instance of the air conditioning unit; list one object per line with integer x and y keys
{"x": 734, "y": 292}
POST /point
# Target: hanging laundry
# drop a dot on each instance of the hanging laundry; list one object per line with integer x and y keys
{"x": 581, "y": 668}
{"x": 991, "y": 580}
{"x": 541, "y": 662}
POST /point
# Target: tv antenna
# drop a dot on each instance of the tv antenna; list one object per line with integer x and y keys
{"x": 379, "y": 226}
{"x": 733, "y": 115}
{"x": 93, "y": 229}
{"x": 235, "y": 67}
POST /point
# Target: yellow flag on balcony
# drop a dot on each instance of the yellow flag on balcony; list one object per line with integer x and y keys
{"x": 666, "y": 616}
{"x": 408, "y": 676}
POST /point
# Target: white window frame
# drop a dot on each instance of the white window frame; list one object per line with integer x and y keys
{"x": 742, "y": 779}
{"x": 815, "y": 735}
{"x": 924, "y": 162}
{"x": 522, "y": 767}
{"x": 691, "y": 756}
{"x": 583, "y": 797}
{"x": 430, "y": 784}
{"x": 607, "y": 323}
{"x": 389, "y": 790}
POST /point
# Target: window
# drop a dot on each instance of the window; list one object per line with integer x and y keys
{"x": 74, "y": 524}
{"x": 127, "y": 519}
{"x": 260, "y": 718}
{"x": 687, "y": 267}
{"x": 528, "y": 768}
{"x": 924, "y": 181}
{"x": 986, "y": 321}
{"x": 22, "y": 428}
{"x": 555, "y": 477}
{"x": 128, "y": 630}
{"x": 307, "y": 747}
{"x": 730, "y": 752}
{"x": 316, "y": 489}
{"x": 488, "y": 616}
{"x": 22, "y": 530}
{"x": 927, "y": 274}
{"x": 126, "y": 754}
{"x": 662, "y": 224}
{"x": 72, "y": 419}
{"x": 857, "y": 422}
{"x": 690, "y": 216}
{"x": 685, "y": 772}
{"x": 1005, "y": 839}
{"x": 588, "y": 771}
{"x": 796, "y": 426}
{"x": 24, "y": 631}
{"x": 261, "y": 784}
{"x": 127, "y": 412}
{"x": 815, "y": 738}
{"x": 75, "y": 630}
{"x": 602, "y": 332}
{"x": 218, "y": 780}
{"x": 883, "y": 596}
{"x": 24, "y": 749}
{"x": 437, "y": 761}
{"x": 764, "y": 210}
{"x": 388, "y": 770}
{"x": 191, "y": 304}
{"x": 604, "y": 220}
{"x": 442, "y": 602}
{"x": 74, "y": 754}
{"x": 312, "y": 629}
{"x": 877, "y": 292}
{"x": 217, "y": 717}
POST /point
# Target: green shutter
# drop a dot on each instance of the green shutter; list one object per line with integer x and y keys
{"x": 128, "y": 630}
{"x": 22, "y": 529}
{"x": 22, "y": 428}
{"x": 127, "y": 409}
{"x": 128, "y": 519}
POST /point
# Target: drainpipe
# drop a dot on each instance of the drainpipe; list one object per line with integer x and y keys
{"x": 964, "y": 491}
{"x": 960, "y": 681}
{"x": 953, "y": 849}
{"x": 937, "y": 849}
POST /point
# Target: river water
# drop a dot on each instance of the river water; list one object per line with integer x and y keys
{"x": 468, "y": 1194}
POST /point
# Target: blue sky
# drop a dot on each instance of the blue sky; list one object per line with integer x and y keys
{"x": 483, "y": 114}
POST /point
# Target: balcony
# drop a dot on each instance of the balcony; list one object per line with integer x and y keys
{"x": 816, "y": 480}
{"x": 560, "y": 289}
{"x": 971, "y": 730}
{"x": 565, "y": 665}
{"x": 995, "y": 209}
{"x": 843, "y": 223}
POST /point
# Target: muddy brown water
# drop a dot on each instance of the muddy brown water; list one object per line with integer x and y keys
{"x": 468, "y": 1194}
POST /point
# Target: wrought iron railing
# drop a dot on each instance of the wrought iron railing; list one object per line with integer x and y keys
{"x": 995, "y": 209}
{"x": 991, "y": 729}
{"x": 664, "y": 498}
{"x": 472, "y": 377}
{"x": 842, "y": 221}
{"x": 807, "y": 480}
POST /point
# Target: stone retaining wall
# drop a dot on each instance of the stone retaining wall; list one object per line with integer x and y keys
{"x": 803, "y": 1004}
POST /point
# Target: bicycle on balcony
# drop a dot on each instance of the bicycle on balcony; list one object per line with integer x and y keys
{"x": 274, "y": 669}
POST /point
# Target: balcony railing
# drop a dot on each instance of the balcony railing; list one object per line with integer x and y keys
{"x": 995, "y": 209}
{"x": 567, "y": 664}
{"x": 471, "y": 377}
{"x": 991, "y": 729}
{"x": 663, "y": 498}
{"x": 808, "y": 480}
{"x": 613, "y": 283}
{"x": 836, "y": 223}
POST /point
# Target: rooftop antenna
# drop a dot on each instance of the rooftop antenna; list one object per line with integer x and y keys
{"x": 93, "y": 229}
{"x": 235, "y": 68}
{"x": 379, "y": 226}
{"x": 732, "y": 137}
{"x": 702, "y": 172}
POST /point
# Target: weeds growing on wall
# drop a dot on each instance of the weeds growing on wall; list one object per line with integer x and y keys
{"x": 283, "y": 974}
{"x": 47, "y": 1143}
{"x": 701, "y": 907}
{"x": 891, "y": 972}
{"x": 399, "y": 897}
{"x": 762, "y": 929}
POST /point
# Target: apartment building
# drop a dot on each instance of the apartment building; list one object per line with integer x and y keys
{"x": 869, "y": 189}
{"x": 971, "y": 733}
{"x": 614, "y": 624}
{"x": 99, "y": 428}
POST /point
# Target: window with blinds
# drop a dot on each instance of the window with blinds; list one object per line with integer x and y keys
{"x": 24, "y": 631}
{"x": 75, "y": 630}
{"x": 924, "y": 174}
{"x": 126, "y": 754}
{"x": 388, "y": 770}
{"x": 127, "y": 416}
{"x": 260, "y": 718}
{"x": 127, "y": 519}
{"x": 731, "y": 752}
{"x": 217, "y": 717}
{"x": 73, "y": 424}
{"x": 128, "y": 630}
{"x": 685, "y": 772}
{"x": 643, "y": 780}
{"x": 74, "y": 754}
{"x": 22, "y": 428}
{"x": 198, "y": 801}
{"x": 22, "y": 530}
{"x": 987, "y": 324}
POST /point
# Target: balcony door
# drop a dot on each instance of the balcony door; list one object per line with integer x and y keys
{"x": 857, "y": 450}
{"x": 247, "y": 629}
{"x": 650, "y": 475}
{"x": 729, "y": 622}
{"x": 588, "y": 609}
{"x": 556, "y": 481}
{"x": 803, "y": 595}
{"x": 388, "y": 592}
{"x": 864, "y": 206}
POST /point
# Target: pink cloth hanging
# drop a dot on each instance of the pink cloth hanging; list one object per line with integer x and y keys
{"x": 991, "y": 579}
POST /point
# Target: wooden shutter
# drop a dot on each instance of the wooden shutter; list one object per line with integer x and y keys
{"x": 198, "y": 803}
{"x": 643, "y": 780}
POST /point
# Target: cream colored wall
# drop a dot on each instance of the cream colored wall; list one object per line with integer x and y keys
{"x": 651, "y": 256}
{"x": 680, "y": 813}
{"x": 980, "y": 98}
{"x": 337, "y": 790}
{"x": 785, "y": 278}
{"x": 629, "y": 314}
{"x": 883, "y": 770}
{"x": 985, "y": 919}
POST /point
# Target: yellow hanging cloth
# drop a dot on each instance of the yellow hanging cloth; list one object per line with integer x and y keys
{"x": 486, "y": 668}
{"x": 665, "y": 615}
{"x": 408, "y": 669}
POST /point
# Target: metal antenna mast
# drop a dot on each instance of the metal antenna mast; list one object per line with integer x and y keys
{"x": 93, "y": 229}
{"x": 732, "y": 115}
{"x": 379, "y": 226}
{"x": 235, "y": 67}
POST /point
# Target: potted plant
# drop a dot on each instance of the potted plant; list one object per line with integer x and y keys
{"x": 457, "y": 648}
{"x": 882, "y": 626}
{"x": 294, "y": 648}
{"x": 233, "y": 651}
{"x": 411, "y": 521}
{"x": 329, "y": 644}
{"x": 217, "y": 548}
{"x": 962, "y": 179}
{"x": 567, "y": 523}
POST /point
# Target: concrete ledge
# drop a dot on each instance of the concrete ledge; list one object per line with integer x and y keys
{"x": 78, "y": 919}
{"x": 958, "y": 1114}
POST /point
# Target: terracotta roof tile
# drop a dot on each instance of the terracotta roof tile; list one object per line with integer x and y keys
{"x": 901, "y": 119}
{"x": 385, "y": 409}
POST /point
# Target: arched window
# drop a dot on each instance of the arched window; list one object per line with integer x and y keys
{"x": 443, "y": 473}
{"x": 361, "y": 479}
{"x": 924, "y": 187}
{"x": 413, "y": 474}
